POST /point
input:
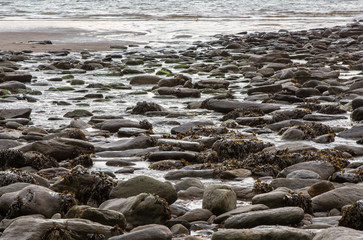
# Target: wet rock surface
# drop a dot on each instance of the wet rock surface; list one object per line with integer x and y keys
{"x": 150, "y": 142}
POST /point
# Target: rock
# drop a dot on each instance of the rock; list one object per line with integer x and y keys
{"x": 353, "y": 150}
{"x": 320, "y": 187}
{"x": 357, "y": 114}
{"x": 337, "y": 198}
{"x": 212, "y": 84}
{"x": 149, "y": 232}
{"x": 307, "y": 92}
{"x": 185, "y": 145}
{"x": 8, "y": 143}
{"x": 78, "y": 123}
{"x": 144, "y": 79}
{"x": 12, "y": 86}
{"x": 15, "y": 113}
{"x": 175, "y": 155}
{"x": 179, "y": 92}
{"x": 13, "y": 187}
{"x": 191, "y": 193}
{"x": 187, "y": 183}
{"x": 139, "y": 142}
{"x": 141, "y": 209}
{"x": 35, "y": 199}
{"x": 324, "y": 169}
{"x": 182, "y": 129}
{"x": 303, "y": 174}
{"x": 144, "y": 184}
{"x": 102, "y": 216}
{"x": 355, "y": 132}
{"x": 59, "y": 148}
{"x": 280, "y": 216}
{"x": 239, "y": 210}
{"x": 78, "y": 113}
{"x": 132, "y": 132}
{"x": 143, "y": 107}
{"x": 293, "y": 183}
{"x": 113, "y": 125}
{"x": 273, "y": 199}
{"x": 293, "y": 134}
{"x": 26, "y": 228}
{"x": 17, "y": 76}
{"x": 179, "y": 229}
{"x": 356, "y": 102}
{"x": 178, "y": 174}
{"x": 339, "y": 233}
{"x": 219, "y": 199}
{"x": 318, "y": 117}
{"x": 265, "y": 89}
{"x": 236, "y": 173}
{"x": 225, "y": 106}
{"x": 196, "y": 215}
{"x": 264, "y": 232}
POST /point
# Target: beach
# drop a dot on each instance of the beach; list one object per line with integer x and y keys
{"x": 202, "y": 121}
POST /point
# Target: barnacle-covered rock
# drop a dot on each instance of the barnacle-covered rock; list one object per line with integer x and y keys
{"x": 84, "y": 160}
{"x": 168, "y": 164}
{"x": 353, "y": 216}
{"x": 14, "y": 176}
{"x": 262, "y": 187}
{"x": 11, "y": 158}
{"x": 143, "y": 107}
{"x": 39, "y": 161}
{"x": 299, "y": 200}
{"x": 91, "y": 188}
{"x": 237, "y": 148}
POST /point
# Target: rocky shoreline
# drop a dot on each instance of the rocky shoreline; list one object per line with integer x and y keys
{"x": 249, "y": 136}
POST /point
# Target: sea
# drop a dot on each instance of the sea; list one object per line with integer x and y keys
{"x": 173, "y": 21}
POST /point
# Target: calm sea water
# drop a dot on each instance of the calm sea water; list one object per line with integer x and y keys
{"x": 165, "y": 20}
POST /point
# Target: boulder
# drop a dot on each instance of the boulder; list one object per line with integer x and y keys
{"x": 265, "y": 89}
{"x": 102, "y": 216}
{"x": 17, "y": 76}
{"x": 139, "y": 142}
{"x": 178, "y": 174}
{"x": 59, "y": 148}
{"x": 219, "y": 199}
{"x": 174, "y": 155}
{"x": 303, "y": 174}
{"x": 15, "y": 113}
{"x": 248, "y": 208}
{"x": 324, "y": 169}
{"x": 139, "y": 210}
{"x": 225, "y": 106}
{"x": 320, "y": 187}
{"x": 279, "y": 216}
{"x": 355, "y": 132}
{"x": 197, "y": 214}
{"x": 113, "y": 125}
{"x": 337, "y": 198}
{"x": 339, "y": 233}
{"x": 144, "y": 184}
{"x": 273, "y": 199}
{"x": 293, "y": 183}
{"x": 26, "y": 228}
{"x": 35, "y": 199}
{"x": 212, "y": 84}
{"x": 148, "y": 232}
{"x": 191, "y": 193}
{"x": 357, "y": 114}
{"x": 14, "y": 187}
{"x": 187, "y": 183}
{"x": 182, "y": 129}
{"x": 12, "y": 86}
{"x": 264, "y": 232}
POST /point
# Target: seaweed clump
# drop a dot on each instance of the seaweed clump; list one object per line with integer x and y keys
{"x": 299, "y": 200}
{"x": 58, "y": 233}
{"x": 353, "y": 216}
{"x": 39, "y": 161}
{"x": 84, "y": 160}
{"x": 243, "y": 112}
{"x": 14, "y": 176}
{"x": 11, "y": 158}
{"x": 168, "y": 164}
{"x": 262, "y": 187}
{"x": 326, "y": 109}
{"x": 91, "y": 188}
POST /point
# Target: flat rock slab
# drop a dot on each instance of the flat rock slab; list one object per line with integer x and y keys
{"x": 279, "y": 216}
{"x": 15, "y": 113}
{"x": 225, "y": 106}
{"x": 264, "y": 232}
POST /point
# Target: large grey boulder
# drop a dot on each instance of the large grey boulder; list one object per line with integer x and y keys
{"x": 276, "y": 216}
{"x": 239, "y": 210}
{"x": 264, "y": 233}
{"x": 102, "y": 216}
{"x": 140, "y": 142}
{"x": 145, "y": 184}
{"x": 26, "y": 228}
{"x": 139, "y": 210}
{"x": 339, "y": 233}
{"x": 324, "y": 169}
{"x": 219, "y": 199}
{"x": 35, "y": 199}
{"x": 273, "y": 199}
{"x": 337, "y": 198}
